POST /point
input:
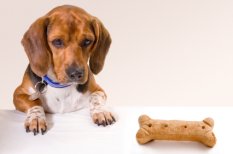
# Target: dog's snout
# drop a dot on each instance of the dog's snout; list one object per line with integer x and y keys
{"x": 75, "y": 74}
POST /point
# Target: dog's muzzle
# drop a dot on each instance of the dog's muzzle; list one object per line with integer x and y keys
{"x": 75, "y": 74}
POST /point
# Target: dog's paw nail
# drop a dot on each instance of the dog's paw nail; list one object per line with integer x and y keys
{"x": 43, "y": 131}
{"x": 114, "y": 120}
{"x": 34, "y": 132}
{"x": 104, "y": 123}
{"x": 109, "y": 122}
{"x": 27, "y": 129}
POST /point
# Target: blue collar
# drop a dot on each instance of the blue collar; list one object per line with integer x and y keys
{"x": 50, "y": 82}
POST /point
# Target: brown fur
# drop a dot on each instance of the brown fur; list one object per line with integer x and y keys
{"x": 72, "y": 29}
{"x": 72, "y": 25}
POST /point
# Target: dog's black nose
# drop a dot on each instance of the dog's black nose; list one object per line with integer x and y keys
{"x": 75, "y": 74}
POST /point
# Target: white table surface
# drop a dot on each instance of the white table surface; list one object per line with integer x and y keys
{"x": 75, "y": 133}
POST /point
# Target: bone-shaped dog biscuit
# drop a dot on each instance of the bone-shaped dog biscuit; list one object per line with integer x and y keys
{"x": 200, "y": 131}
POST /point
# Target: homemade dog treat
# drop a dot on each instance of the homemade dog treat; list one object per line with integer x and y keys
{"x": 200, "y": 131}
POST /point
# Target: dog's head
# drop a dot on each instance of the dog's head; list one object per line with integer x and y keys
{"x": 64, "y": 41}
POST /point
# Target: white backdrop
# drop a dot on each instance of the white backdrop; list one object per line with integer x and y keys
{"x": 164, "y": 52}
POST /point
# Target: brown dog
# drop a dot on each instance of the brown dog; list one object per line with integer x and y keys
{"x": 58, "y": 79}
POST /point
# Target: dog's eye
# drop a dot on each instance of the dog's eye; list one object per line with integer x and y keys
{"x": 86, "y": 42}
{"x": 58, "y": 43}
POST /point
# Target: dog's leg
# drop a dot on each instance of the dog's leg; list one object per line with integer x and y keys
{"x": 35, "y": 121}
{"x": 99, "y": 111}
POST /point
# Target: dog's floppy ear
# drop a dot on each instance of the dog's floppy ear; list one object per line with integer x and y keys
{"x": 100, "y": 48}
{"x": 36, "y": 46}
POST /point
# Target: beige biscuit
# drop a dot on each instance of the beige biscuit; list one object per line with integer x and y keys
{"x": 177, "y": 130}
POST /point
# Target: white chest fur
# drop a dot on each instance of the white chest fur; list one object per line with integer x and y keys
{"x": 61, "y": 100}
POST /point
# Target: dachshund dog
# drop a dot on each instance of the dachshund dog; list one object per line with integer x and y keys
{"x": 65, "y": 48}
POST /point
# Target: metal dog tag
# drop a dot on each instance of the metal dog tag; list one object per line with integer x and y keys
{"x": 41, "y": 88}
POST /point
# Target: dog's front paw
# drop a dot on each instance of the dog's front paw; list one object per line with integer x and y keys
{"x": 35, "y": 121}
{"x": 99, "y": 110}
{"x": 103, "y": 118}
{"x": 36, "y": 125}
